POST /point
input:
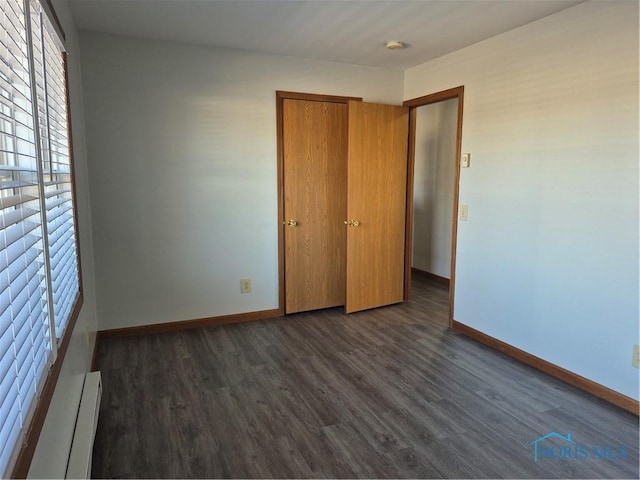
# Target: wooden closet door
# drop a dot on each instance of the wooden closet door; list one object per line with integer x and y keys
{"x": 315, "y": 170}
{"x": 376, "y": 203}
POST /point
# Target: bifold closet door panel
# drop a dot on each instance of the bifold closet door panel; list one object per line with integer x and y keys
{"x": 315, "y": 172}
{"x": 376, "y": 204}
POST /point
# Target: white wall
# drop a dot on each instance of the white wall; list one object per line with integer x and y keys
{"x": 182, "y": 149}
{"x": 548, "y": 261}
{"x": 50, "y": 459}
{"x": 434, "y": 175}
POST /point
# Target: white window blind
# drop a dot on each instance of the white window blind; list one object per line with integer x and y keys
{"x": 56, "y": 167}
{"x": 39, "y": 282}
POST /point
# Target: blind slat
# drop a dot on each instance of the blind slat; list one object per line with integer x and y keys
{"x": 10, "y": 412}
{"x": 16, "y": 215}
{"x": 65, "y": 278}
{"x": 18, "y": 184}
{"x": 7, "y": 369}
{"x": 10, "y": 432}
{"x": 62, "y": 221}
{"x": 17, "y": 168}
{"x": 51, "y": 204}
{"x": 16, "y": 232}
{"x": 62, "y": 263}
{"x": 56, "y": 236}
{"x": 18, "y": 274}
{"x": 15, "y": 200}
{"x": 65, "y": 245}
{"x": 17, "y": 249}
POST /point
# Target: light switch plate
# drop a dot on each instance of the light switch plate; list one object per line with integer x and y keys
{"x": 464, "y": 213}
{"x": 466, "y": 160}
{"x": 636, "y": 356}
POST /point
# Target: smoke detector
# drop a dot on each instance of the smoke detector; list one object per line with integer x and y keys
{"x": 394, "y": 45}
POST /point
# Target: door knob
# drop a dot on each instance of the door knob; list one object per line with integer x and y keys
{"x": 352, "y": 223}
{"x": 291, "y": 223}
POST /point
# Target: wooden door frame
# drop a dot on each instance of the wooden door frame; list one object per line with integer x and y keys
{"x": 413, "y": 104}
{"x": 280, "y": 97}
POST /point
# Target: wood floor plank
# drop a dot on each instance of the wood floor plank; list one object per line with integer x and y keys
{"x": 350, "y": 444}
{"x": 387, "y": 393}
{"x": 414, "y": 464}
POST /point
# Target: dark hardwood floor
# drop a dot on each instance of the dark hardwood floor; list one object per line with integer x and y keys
{"x": 387, "y": 393}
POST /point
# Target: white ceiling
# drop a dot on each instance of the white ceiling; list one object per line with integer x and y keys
{"x": 350, "y": 31}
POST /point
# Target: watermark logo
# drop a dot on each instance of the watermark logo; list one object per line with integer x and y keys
{"x": 556, "y": 446}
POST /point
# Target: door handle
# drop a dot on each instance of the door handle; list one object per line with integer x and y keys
{"x": 352, "y": 223}
{"x": 291, "y": 223}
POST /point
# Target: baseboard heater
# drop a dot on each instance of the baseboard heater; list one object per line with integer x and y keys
{"x": 79, "y": 465}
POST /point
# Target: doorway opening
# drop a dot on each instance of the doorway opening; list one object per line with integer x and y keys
{"x": 435, "y": 138}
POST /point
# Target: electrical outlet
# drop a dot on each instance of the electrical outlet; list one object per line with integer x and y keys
{"x": 636, "y": 356}
{"x": 245, "y": 285}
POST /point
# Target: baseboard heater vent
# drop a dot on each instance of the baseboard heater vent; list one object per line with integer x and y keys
{"x": 79, "y": 465}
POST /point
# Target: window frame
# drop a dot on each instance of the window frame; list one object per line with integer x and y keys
{"x": 24, "y": 454}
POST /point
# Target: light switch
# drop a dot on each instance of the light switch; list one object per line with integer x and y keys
{"x": 464, "y": 213}
{"x": 466, "y": 160}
